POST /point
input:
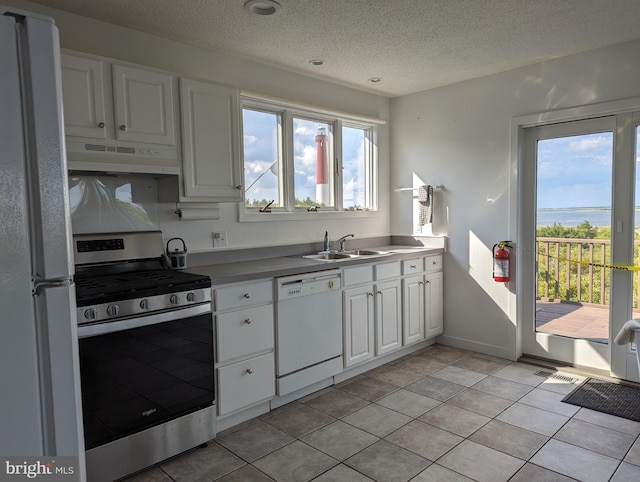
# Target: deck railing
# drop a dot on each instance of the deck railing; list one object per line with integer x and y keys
{"x": 560, "y": 277}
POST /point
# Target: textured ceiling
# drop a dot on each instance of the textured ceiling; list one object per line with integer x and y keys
{"x": 413, "y": 45}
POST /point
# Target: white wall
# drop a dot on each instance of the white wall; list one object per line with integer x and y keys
{"x": 100, "y": 38}
{"x": 459, "y": 136}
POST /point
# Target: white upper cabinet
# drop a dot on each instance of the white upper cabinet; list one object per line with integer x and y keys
{"x": 83, "y": 94}
{"x": 143, "y": 102}
{"x": 210, "y": 148}
{"x": 119, "y": 118}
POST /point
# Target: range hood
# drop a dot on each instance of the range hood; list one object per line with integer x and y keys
{"x": 114, "y": 156}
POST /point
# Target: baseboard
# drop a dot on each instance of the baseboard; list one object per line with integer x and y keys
{"x": 471, "y": 345}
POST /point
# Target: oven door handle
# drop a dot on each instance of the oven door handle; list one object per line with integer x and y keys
{"x": 85, "y": 331}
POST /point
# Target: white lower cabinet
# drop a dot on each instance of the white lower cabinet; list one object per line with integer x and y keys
{"x": 413, "y": 309}
{"x": 245, "y": 361}
{"x": 422, "y": 313}
{"x": 434, "y": 320}
{"x": 388, "y": 316}
{"x": 371, "y": 311}
{"x": 358, "y": 325}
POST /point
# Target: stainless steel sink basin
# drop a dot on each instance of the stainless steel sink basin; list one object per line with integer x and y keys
{"x": 344, "y": 255}
{"x": 365, "y": 252}
{"x": 328, "y": 256}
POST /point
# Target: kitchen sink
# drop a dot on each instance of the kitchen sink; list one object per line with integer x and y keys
{"x": 344, "y": 255}
{"x": 365, "y": 252}
{"x": 328, "y": 256}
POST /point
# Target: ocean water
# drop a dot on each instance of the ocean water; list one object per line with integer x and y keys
{"x": 573, "y": 217}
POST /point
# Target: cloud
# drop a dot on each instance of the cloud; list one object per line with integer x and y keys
{"x": 590, "y": 142}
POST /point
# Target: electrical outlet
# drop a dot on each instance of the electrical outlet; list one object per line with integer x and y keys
{"x": 219, "y": 239}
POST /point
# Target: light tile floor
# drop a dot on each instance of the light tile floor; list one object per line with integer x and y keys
{"x": 443, "y": 414}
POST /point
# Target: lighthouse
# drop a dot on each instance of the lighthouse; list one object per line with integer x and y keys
{"x": 322, "y": 169}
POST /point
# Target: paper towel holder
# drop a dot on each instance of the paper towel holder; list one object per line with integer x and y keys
{"x": 203, "y": 210}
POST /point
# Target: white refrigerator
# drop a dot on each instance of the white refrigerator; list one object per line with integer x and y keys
{"x": 40, "y": 407}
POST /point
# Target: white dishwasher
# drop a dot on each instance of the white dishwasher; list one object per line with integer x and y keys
{"x": 308, "y": 329}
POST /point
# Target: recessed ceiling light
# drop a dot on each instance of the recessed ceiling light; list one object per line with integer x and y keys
{"x": 262, "y": 7}
{"x": 316, "y": 62}
{"x": 375, "y": 80}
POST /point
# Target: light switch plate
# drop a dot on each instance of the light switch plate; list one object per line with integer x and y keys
{"x": 219, "y": 239}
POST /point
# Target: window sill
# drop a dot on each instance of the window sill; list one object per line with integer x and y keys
{"x": 278, "y": 216}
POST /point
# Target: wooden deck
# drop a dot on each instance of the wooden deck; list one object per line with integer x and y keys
{"x": 573, "y": 320}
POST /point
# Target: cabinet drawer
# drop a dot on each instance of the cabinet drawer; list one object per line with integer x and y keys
{"x": 387, "y": 270}
{"x": 245, "y": 383}
{"x": 244, "y": 332}
{"x": 413, "y": 265}
{"x": 357, "y": 275}
{"x": 247, "y": 294}
{"x": 433, "y": 263}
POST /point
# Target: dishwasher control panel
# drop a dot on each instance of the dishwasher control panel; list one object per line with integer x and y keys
{"x": 308, "y": 284}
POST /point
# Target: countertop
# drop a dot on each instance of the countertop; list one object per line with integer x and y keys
{"x": 288, "y": 265}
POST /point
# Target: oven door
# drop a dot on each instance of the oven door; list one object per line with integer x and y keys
{"x": 141, "y": 372}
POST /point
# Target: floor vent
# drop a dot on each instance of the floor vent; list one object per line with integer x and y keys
{"x": 555, "y": 376}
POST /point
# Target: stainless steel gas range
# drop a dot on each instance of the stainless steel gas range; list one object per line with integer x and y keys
{"x": 146, "y": 354}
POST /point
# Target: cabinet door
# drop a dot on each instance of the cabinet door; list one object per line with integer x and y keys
{"x": 388, "y": 320}
{"x": 413, "y": 309}
{"x": 434, "y": 324}
{"x": 358, "y": 325}
{"x": 210, "y": 149}
{"x": 143, "y": 102}
{"x": 83, "y": 97}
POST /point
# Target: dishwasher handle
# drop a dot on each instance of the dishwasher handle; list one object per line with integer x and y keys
{"x": 305, "y": 279}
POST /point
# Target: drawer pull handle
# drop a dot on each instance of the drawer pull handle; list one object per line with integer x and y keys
{"x": 123, "y": 127}
{"x": 412, "y": 266}
{"x": 248, "y": 321}
{"x": 435, "y": 263}
{"x": 379, "y": 292}
{"x": 249, "y": 371}
{"x": 101, "y": 125}
{"x": 247, "y": 295}
{"x": 370, "y": 294}
{"x": 421, "y": 283}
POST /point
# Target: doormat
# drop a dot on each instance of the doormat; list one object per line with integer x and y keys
{"x": 612, "y": 398}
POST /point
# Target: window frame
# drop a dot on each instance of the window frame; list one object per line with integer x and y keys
{"x": 288, "y": 112}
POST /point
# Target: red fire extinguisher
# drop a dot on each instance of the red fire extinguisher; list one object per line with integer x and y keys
{"x": 501, "y": 261}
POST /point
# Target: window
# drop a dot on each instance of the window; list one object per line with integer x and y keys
{"x": 356, "y": 170}
{"x": 262, "y": 158}
{"x": 298, "y": 161}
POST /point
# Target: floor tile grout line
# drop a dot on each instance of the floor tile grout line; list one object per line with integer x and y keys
{"x": 416, "y": 418}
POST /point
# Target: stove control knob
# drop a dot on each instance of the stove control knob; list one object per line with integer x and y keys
{"x": 174, "y": 299}
{"x": 112, "y": 310}
{"x": 144, "y": 304}
{"x": 90, "y": 314}
{"x": 191, "y": 296}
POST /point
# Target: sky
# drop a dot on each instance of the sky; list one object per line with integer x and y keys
{"x": 577, "y": 171}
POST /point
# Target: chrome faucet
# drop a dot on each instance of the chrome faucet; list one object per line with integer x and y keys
{"x": 341, "y": 240}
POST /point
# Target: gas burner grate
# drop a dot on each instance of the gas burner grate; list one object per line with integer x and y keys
{"x": 123, "y": 286}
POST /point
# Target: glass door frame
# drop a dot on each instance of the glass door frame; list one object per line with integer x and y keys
{"x": 545, "y": 345}
{"x": 522, "y": 227}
